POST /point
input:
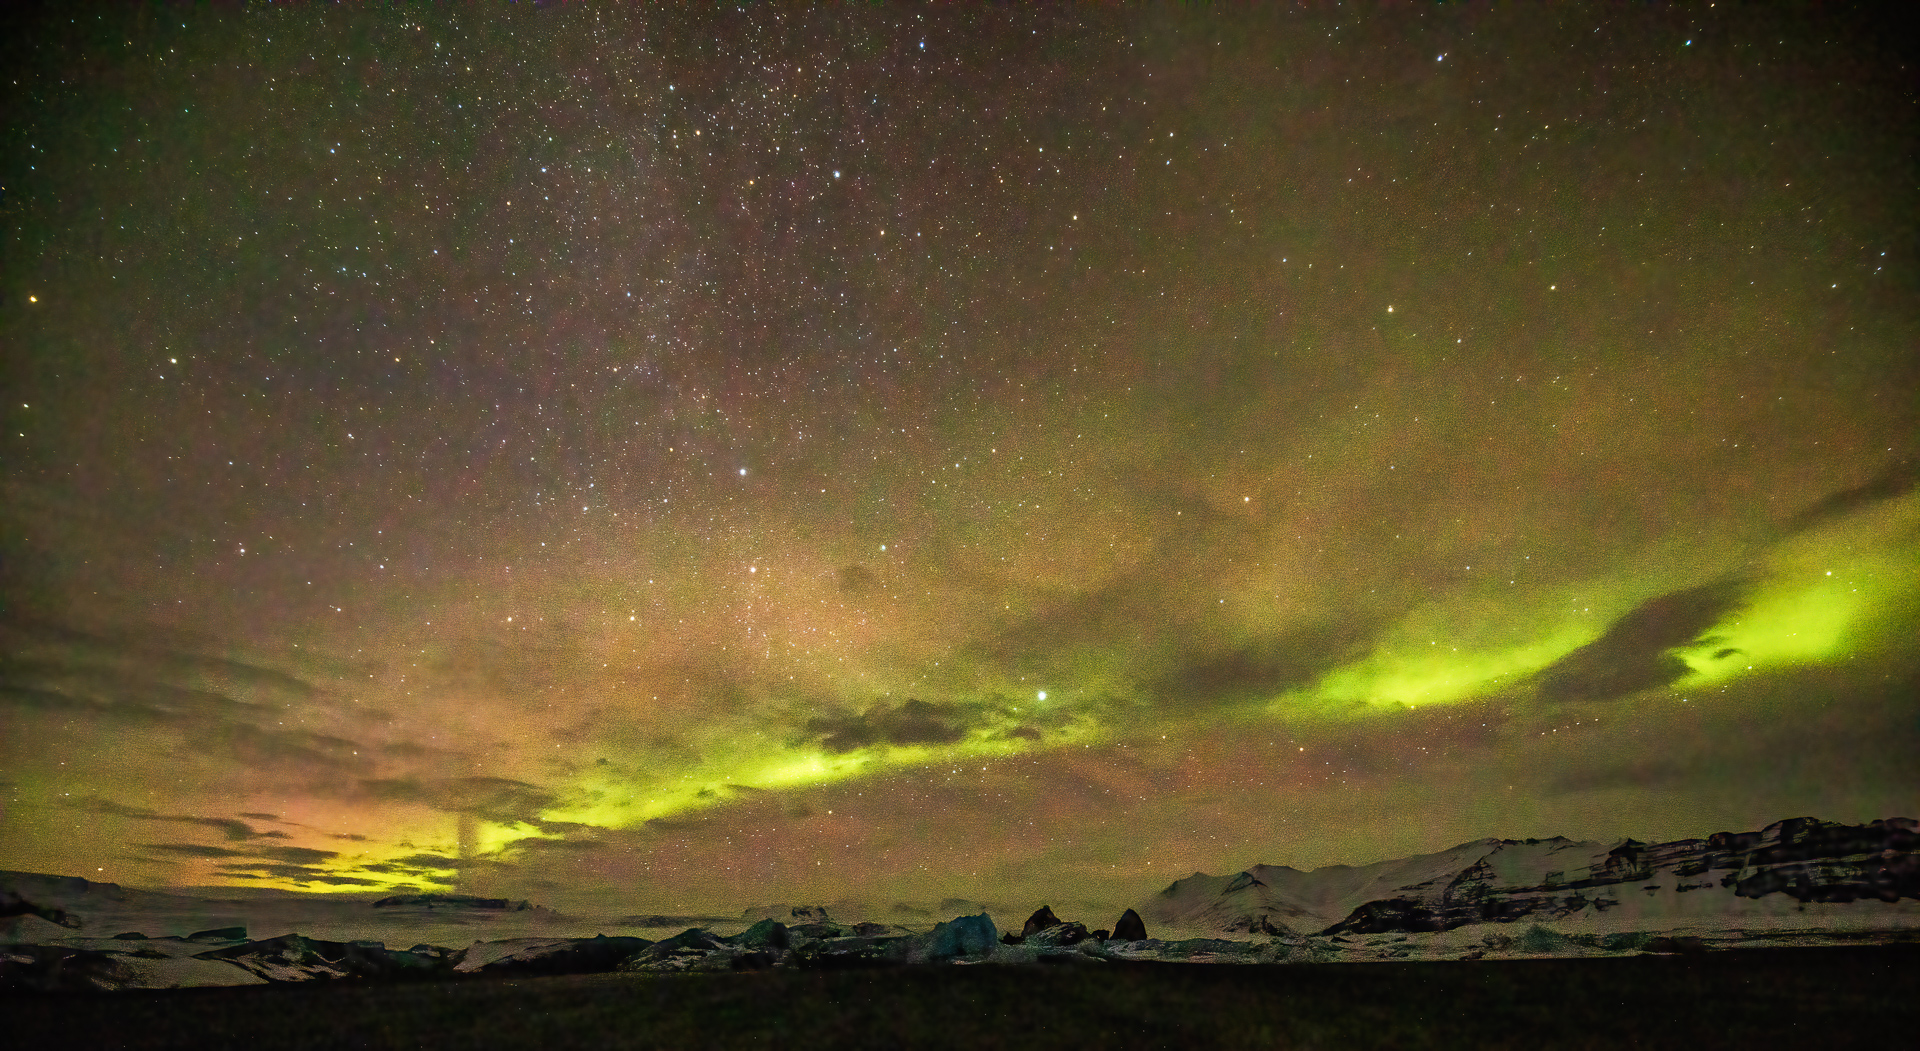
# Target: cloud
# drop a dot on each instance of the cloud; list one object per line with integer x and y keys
{"x": 194, "y": 850}
{"x": 235, "y": 831}
{"x": 911, "y": 722}
{"x": 217, "y": 704}
{"x": 560, "y": 846}
{"x": 425, "y": 861}
{"x": 1898, "y": 479}
{"x": 299, "y": 874}
{"x": 290, "y": 855}
{"x": 1636, "y": 653}
{"x": 492, "y": 798}
{"x": 295, "y": 855}
{"x": 1261, "y": 668}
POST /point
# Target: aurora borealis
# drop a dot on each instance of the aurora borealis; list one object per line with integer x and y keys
{"x": 701, "y": 458}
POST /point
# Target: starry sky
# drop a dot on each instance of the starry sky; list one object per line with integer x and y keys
{"x": 704, "y": 458}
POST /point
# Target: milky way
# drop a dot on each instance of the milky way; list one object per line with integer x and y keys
{"x": 702, "y": 458}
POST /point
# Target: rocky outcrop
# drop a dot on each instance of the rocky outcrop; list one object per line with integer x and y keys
{"x": 961, "y": 936}
{"x": 293, "y": 958}
{"x": 694, "y": 949}
{"x": 593, "y": 955}
{"x": 852, "y": 953}
{"x": 1060, "y": 934}
{"x": 1130, "y": 927}
{"x": 1538, "y": 880}
{"x": 61, "y": 969}
{"x": 12, "y": 904}
{"x": 1041, "y": 919}
{"x": 767, "y": 934}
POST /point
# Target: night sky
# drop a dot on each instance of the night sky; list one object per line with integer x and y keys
{"x": 698, "y": 458}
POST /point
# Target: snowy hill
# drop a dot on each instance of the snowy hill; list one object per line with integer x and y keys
{"x": 1801, "y": 872}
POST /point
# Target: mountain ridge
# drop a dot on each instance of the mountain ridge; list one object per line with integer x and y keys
{"x": 1805, "y": 859}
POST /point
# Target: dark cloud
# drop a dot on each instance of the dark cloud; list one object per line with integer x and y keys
{"x": 557, "y": 846}
{"x": 910, "y": 722}
{"x": 155, "y": 659}
{"x": 1898, "y": 479}
{"x": 491, "y": 798}
{"x": 290, "y": 750}
{"x": 426, "y": 861}
{"x": 235, "y": 831}
{"x": 195, "y": 850}
{"x": 295, "y": 855}
{"x": 291, "y": 855}
{"x": 259, "y": 816}
{"x": 1636, "y": 653}
{"x": 299, "y": 874}
{"x": 50, "y": 668}
{"x": 1259, "y": 669}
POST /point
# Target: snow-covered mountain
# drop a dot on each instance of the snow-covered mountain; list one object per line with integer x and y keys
{"x": 1801, "y": 871}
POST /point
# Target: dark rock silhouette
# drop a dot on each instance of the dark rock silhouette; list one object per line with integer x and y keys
{"x": 853, "y": 953}
{"x": 1040, "y": 921}
{"x": 1102, "y": 935}
{"x": 58, "y": 969}
{"x": 1011, "y": 938}
{"x": 694, "y": 949}
{"x": 1130, "y": 928}
{"x": 1067, "y": 933}
{"x": 12, "y": 904}
{"x": 593, "y": 955}
{"x": 962, "y": 936}
{"x": 1392, "y": 914}
{"x": 293, "y": 958}
{"x": 763, "y": 935}
{"x": 219, "y": 934}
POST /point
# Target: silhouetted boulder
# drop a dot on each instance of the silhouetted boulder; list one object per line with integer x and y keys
{"x": 293, "y": 958}
{"x": 1040, "y": 921}
{"x": 12, "y": 904}
{"x": 58, "y": 969}
{"x": 1068, "y": 933}
{"x": 596, "y": 955}
{"x": 1102, "y": 935}
{"x": 962, "y": 936}
{"x": 828, "y": 929}
{"x": 130, "y": 936}
{"x": 852, "y": 953}
{"x": 692, "y": 949}
{"x": 1131, "y": 927}
{"x": 767, "y": 934}
{"x": 1011, "y": 938}
{"x": 1389, "y": 914}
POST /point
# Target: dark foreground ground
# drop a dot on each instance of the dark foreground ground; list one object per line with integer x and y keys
{"x": 1763, "y": 998}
